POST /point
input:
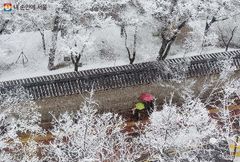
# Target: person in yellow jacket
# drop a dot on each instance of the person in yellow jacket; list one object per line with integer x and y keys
{"x": 139, "y": 106}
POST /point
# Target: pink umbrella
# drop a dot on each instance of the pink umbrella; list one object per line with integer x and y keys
{"x": 146, "y": 97}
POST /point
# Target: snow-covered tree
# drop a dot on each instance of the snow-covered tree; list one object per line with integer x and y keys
{"x": 226, "y": 34}
{"x": 88, "y": 14}
{"x": 132, "y": 16}
{"x": 170, "y": 17}
{"x": 179, "y": 132}
{"x": 35, "y": 19}
{"x": 86, "y": 135}
{"x": 131, "y": 51}
{"x": 19, "y": 116}
{"x": 187, "y": 132}
{"x": 224, "y": 109}
{"x": 77, "y": 44}
{"x": 216, "y": 12}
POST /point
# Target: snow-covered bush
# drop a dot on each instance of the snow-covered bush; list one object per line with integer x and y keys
{"x": 187, "y": 132}
{"x": 87, "y": 136}
{"x": 18, "y": 117}
{"x": 179, "y": 132}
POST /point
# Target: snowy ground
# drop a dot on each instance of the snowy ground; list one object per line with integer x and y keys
{"x": 30, "y": 43}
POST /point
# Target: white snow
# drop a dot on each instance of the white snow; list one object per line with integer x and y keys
{"x": 11, "y": 45}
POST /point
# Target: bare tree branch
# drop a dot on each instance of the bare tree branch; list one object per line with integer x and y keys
{"x": 132, "y": 56}
{"x": 223, "y": 38}
{"x": 232, "y": 34}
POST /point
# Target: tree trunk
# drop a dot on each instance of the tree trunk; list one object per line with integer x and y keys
{"x": 165, "y": 48}
{"x": 207, "y": 28}
{"x": 4, "y": 26}
{"x": 167, "y": 43}
{"x": 76, "y": 67}
{"x": 131, "y": 60}
{"x": 122, "y": 30}
{"x": 229, "y": 41}
{"x": 162, "y": 49}
{"x": 133, "y": 56}
{"x": 52, "y": 52}
{"x": 209, "y": 24}
{"x": 75, "y": 61}
{"x": 226, "y": 49}
{"x": 43, "y": 42}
